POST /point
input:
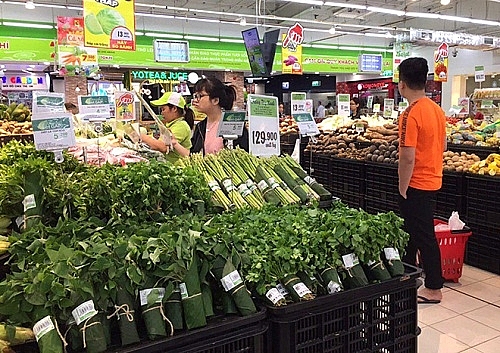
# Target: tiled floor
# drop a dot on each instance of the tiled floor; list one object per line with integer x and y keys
{"x": 467, "y": 319}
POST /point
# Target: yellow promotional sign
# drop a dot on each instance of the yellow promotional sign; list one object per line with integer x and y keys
{"x": 109, "y": 24}
{"x": 441, "y": 63}
{"x": 291, "y": 50}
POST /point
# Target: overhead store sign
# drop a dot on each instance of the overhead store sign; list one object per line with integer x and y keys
{"x": 464, "y": 40}
{"x": 159, "y": 76}
{"x": 401, "y": 51}
{"x": 109, "y": 24}
{"x": 370, "y": 63}
{"x": 291, "y": 50}
{"x": 24, "y": 82}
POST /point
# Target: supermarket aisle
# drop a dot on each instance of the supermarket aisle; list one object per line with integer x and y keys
{"x": 467, "y": 320}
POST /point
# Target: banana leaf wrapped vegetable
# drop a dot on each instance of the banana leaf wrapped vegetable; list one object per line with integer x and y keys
{"x": 376, "y": 271}
{"x": 192, "y": 300}
{"x": 173, "y": 308}
{"x": 331, "y": 280}
{"x": 297, "y": 289}
{"x": 352, "y": 275}
{"x": 234, "y": 285}
{"x": 393, "y": 262}
{"x": 124, "y": 310}
{"x": 47, "y": 336}
{"x": 152, "y": 312}
{"x": 90, "y": 327}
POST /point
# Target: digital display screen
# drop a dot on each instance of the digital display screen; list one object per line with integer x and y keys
{"x": 171, "y": 51}
{"x": 370, "y": 63}
{"x": 254, "y": 52}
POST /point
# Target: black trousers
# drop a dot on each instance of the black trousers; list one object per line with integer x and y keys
{"x": 417, "y": 212}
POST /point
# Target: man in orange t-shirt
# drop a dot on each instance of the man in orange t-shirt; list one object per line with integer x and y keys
{"x": 422, "y": 141}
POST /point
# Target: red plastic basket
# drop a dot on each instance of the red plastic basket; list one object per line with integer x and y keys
{"x": 452, "y": 248}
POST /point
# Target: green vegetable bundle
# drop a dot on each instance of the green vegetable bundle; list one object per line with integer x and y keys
{"x": 153, "y": 313}
{"x": 192, "y": 301}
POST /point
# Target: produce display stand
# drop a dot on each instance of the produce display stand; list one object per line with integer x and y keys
{"x": 225, "y": 334}
{"x": 19, "y": 137}
{"x": 452, "y": 247}
{"x": 376, "y": 318}
{"x": 483, "y": 217}
{"x": 480, "y": 151}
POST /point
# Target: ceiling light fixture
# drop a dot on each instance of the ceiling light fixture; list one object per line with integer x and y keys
{"x": 209, "y": 39}
{"x": 445, "y": 2}
{"x": 164, "y": 35}
{"x": 384, "y": 10}
{"x": 27, "y": 24}
{"x": 77, "y": 88}
{"x": 29, "y": 5}
{"x": 243, "y": 21}
{"x": 346, "y": 5}
{"x": 332, "y": 30}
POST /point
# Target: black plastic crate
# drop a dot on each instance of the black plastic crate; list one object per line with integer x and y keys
{"x": 485, "y": 212}
{"x": 453, "y": 183}
{"x": 348, "y": 175}
{"x": 4, "y": 139}
{"x": 224, "y": 335}
{"x": 318, "y": 168}
{"x": 482, "y": 187}
{"x": 287, "y": 147}
{"x": 381, "y": 181}
{"x": 375, "y": 318}
{"x": 480, "y": 255}
{"x": 375, "y": 206}
{"x": 352, "y": 200}
{"x": 446, "y": 203}
{"x": 488, "y": 236}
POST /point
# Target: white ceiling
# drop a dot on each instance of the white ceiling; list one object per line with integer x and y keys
{"x": 266, "y": 14}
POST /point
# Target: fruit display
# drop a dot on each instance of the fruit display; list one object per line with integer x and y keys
{"x": 458, "y": 161}
{"x": 15, "y": 112}
{"x": 472, "y": 132}
{"x": 488, "y": 166}
{"x": 288, "y": 126}
{"x": 486, "y": 93}
{"x": 15, "y": 128}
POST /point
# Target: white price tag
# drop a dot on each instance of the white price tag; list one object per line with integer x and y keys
{"x": 301, "y": 289}
{"x": 53, "y": 131}
{"x": 228, "y": 185}
{"x": 263, "y": 125}
{"x": 231, "y": 280}
{"x": 371, "y": 262}
{"x": 251, "y": 185}
{"x": 306, "y": 123}
{"x": 84, "y": 311}
{"x": 272, "y": 182}
{"x": 19, "y": 221}
{"x": 29, "y": 202}
{"x": 309, "y": 180}
{"x": 42, "y": 327}
{"x": 184, "y": 291}
{"x": 262, "y": 185}
{"x": 282, "y": 289}
{"x": 232, "y": 123}
{"x": 143, "y": 295}
{"x": 333, "y": 287}
{"x": 213, "y": 185}
{"x": 391, "y": 254}
{"x": 274, "y": 295}
{"x": 350, "y": 260}
{"x": 243, "y": 190}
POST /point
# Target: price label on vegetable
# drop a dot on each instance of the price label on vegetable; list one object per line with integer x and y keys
{"x": 344, "y": 104}
{"x": 232, "y": 123}
{"x": 42, "y": 327}
{"x": 44, "y": 102}
{"x": 391, "y": 254}
{"x": 274, "y": 295}
{"x": 84, "y": 311}
{"x": 156, "y": 295}
{"x": 306, "y": 124}
{"x": 53, "y": 132}
{"x": 94, "y": 108}
{"x": 264, "y": 125}
{"x": 350, "y": 260}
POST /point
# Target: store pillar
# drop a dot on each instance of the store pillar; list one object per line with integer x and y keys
{"x": 75, "y": 86}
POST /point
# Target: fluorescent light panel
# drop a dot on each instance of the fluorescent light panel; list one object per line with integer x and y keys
{"x": 231, "y": 40}
{"x": 210, "y": 39}
{"x": 346, "y": 5}
{"x": 324, "y": 46}
{"x": 25, "y": 24}
{"x": 164, "y": 35}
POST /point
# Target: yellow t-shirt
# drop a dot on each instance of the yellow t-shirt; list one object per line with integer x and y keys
{"x": 181, "y": 131}
{"x": 423, "y": 126}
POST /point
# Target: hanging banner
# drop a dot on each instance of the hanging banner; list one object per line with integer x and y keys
{"x": 441, "y": 63}
{"x": 77, "y": 60}
{"x": 388, "y": 107}
{"x": 401, "y": 52}
{"x": 109, "y": 24}
{"x": 70, "y": 30}
{"x": 124, "y": 106}
{"x": 291, "y": 50}
{"x": 464, "y": 104}
{"x": 263, "y": 125}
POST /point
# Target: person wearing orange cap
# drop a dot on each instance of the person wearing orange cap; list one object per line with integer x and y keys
{"x": 179, "y": 120}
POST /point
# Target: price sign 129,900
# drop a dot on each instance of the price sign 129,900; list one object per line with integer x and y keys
{"x": 262, "y": 137}
{"x": 263, "y": 125}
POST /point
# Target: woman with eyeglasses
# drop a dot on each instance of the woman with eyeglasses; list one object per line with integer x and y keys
{"x": 212, "y": 97}
{"x": 179, "y": 120}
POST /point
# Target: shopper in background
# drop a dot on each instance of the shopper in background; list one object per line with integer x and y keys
{"x": 320, "y": 111}
{"x": 355, "y": 110}
{"x": 212, "y": 97}
{"x": 179, "y": 119}
{"x": 281, "y": 110}
{"x": 329, "y": 109}
{"x": 422, "y": 141}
